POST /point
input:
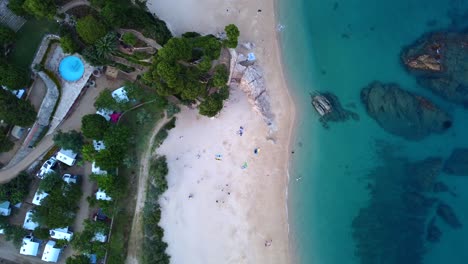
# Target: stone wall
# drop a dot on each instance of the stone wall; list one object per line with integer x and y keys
{"x": 42, "y": 50}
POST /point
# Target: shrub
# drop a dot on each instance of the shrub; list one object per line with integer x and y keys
{"x": 16, "y": 189}
{"x": 211, "y": 105}
{"x": 129, "y": 39}
{"x": 94, "y": 126}
{"x": 41, "y": 233}
{"x": 232, "y": 33}
{"x": 68, "y": 44}
{"x": 40, "y": 8}
{"x": 90, "y": 29}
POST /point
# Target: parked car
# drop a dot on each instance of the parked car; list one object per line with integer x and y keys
{"x": 68, "y": 178}
{"x": 47, "y": 167}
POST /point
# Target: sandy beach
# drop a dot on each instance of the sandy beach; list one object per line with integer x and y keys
{"x": 216, "y": 211}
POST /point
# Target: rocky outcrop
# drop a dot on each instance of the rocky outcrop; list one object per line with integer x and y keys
{"x": 433, "y": 232}
{"x": 249, "y": 77}
{"x": 403, "y": 113}
{"x": 446, "y": 213}
{"x": 439, "y": 61}
{"x": 338, "y": 112}
{"x": 457, "y": 164}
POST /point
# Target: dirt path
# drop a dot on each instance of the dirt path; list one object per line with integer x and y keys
{"x": 136, "y": 235}
{"x": 73, "y": 4}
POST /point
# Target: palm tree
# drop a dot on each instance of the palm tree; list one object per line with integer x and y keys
{"x": 106, "y": 45}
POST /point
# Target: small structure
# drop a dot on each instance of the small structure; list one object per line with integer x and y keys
{"x": 251, "y": 56}
{"x": 112, "y": 72}
{"x": 102, "y": 195}
{"x": 106, "y": 113}
{"x": 66, "y": 156}
{"x": 38, "y": 197}
{"x": 29, "y": 246}
{"x": 68, "y": 178}
{"x": 5, "y": 208}
{"x": 100, "y": 237}
{"x": 96, "y": 170}
{"x": 120, "y": 95}
{"x": 18, "y": 132}
{"x": 61, "y": 233}
{"x": 98, "y": 145}
{"x": 51, "y": 254}
{"x": 29, "y": 224}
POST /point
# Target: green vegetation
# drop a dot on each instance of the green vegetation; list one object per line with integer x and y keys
{"x": 41, "y": 233}
{"x": 85, "y": 243}
{"x": 17, "y": 189}
{"x": 163, "y": 133}
{"x": 116, "y": 140}
{"x": 172, "y": 109}
{"x": 14, "y": 233}
{"x": 17, "y": 7}
{"x": 80, "y": 259}
{"x": 106, "y": 45}
{"x": 113, "y": 185}
{"x": 40, "y": 8}
{"x": 7, "y": 37}
{"x": 232, "y": 33}
{"x": 12, "y": 76}
{"x": 59, "y": 207}
{"x": 90, "y": 29}
{"x": 129, "y": 39}
{"x": 94, "y": 126}
{"x": 68, "y": 44}
{"x": 106, "y": 101}
{"x": 72, "y": 140}
{"x": 5, "y": 143}
{"x": 15, "y": 111}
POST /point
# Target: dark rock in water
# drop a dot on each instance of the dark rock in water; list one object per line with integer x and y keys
{"x": 440, "y": 62}
{"x": 423, "y": 174}
{"x": 433, "y": 232}
{"x": 403, "y": 113}
{"x": 446, "y": 213}
{"x": 338, "y": 113}
{"x": 457, "y": 164}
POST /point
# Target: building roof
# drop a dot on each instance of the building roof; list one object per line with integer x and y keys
{"x": 51, "y": 254}
{"x": 61, "y": 233}
{"x": 38, "y": 197}
{"x": 120, "y": 95}
{"x": 17, "y": 132}
{"x": 29, "y": 224}
{"x": 96, "y": 170}
{"x": 98, "y": 145}
{"x": 101, "y": 195}
{"x": 112, "y": 72}
{"x": 29, "y": 247}
{"x": 66, "y": 156}
{"x": 5, "y": 208}
{"x": 68, "y": 178}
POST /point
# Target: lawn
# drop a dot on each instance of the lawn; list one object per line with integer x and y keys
{"x": 140, "y": 121}
{"x": 28, "y": 39}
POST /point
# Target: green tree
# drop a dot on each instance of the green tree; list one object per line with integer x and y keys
{"x": 158, "y": 172}
{"x": 40, "y": 8}
{"x": 51, "y": 181}
{"x": 91, "y": 56}
{"x": 68, "y": 44}
{"x": 78, "y": 259}
{"x": 16, "y": 189}
{"x": 106, "y": 45}
{"x": 5, "y": 143}
{"x": 17, "y": 7}
{"x": 12, "y": 77}
{"x": 84, "y": 242}
{"x": 15, "y": 234}
{"x": 15, "y": 111}
{"x": 232, "y": 33}
{"x": 41, "y": 233}
{"x": 7, "y": 36}
{"x": 90, "y": 29}
{"x": 221, "y": 75}
{"x": 129, "y": 39}
{"x": 211, "y": 105}
{"x": 72, "y": 140}
{"x": 116, "y": 141}
{"x": 88, "y": 152}
{"x": 94, "y": 126}
{"x": 106, "y": 101}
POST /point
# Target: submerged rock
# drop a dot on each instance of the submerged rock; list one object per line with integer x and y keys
{"x": 403, "y": 113}
{"x": 337, "y": 113}
{"x": 440, "y": 62}
{"x": 457, "y": 164}
{"x": 433, "y": 232}
{"x": 424, "y": 173}
{"x": 448, "y": 215}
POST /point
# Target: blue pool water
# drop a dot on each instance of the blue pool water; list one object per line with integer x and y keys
{"x": 340, "y": 47}
{"x": 71, "y": 68}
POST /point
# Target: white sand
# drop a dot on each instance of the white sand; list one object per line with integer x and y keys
{"x": 251, "y": 207}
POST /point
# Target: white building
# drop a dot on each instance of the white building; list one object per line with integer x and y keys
{"x": 29, "y": 224}
{"x": 29, "y": 246}
{"x": 106, "y": 113}
{"x": 38, "y": 197}
{"x": 98, "y": 145}
{"x": 101, "y": 195}
{"x": 5, "y": 208}
{"x": 96, "y": 170}
{"x": 120, "y": 95}
{"x": 66, "y": 156}
{"x": 68, "y": 178}
{"x": 61, "y": 233}
{"x": 51, "y": 254}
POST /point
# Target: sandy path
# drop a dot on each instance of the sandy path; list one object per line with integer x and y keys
{"x": 136, "y": 235}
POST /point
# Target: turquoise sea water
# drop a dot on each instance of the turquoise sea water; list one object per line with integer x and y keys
{"x": 341, "y": 46}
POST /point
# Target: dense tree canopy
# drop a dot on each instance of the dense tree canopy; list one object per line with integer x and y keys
{"x": 72, "y": 140}
{"x": 17, "y": 7}
{"x": 211, "y": 105}
{"x": 40, "y": 8}
{"x": 5, "y": 143}
{"x": 94, "y": 126}
{"x": 84, "y": 242}
{"x": 116, "y": 141}
{"x": 113, "y": 185}
{"x": 11, "y": 76}
{"x": 15, "y": 111}
{"x": 80, "y": 259}
{"x": 68, "y": 44}
{"x": 7, "y": 36}
{"x": 232, "y": 33}
{"x": 16, "y": 189}
{"x": 90, "y": 29}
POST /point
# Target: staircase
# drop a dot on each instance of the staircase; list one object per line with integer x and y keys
{"x": 8, "y": 18}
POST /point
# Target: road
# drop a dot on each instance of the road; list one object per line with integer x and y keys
{"x": 136, "y": 236}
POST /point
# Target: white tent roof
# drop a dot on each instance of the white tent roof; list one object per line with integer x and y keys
{"x": 99, "y": 236}
{"x": 120, "y": 95}
{"x": 101, "y": 195}
{"x": 28, "y": 222}
{"x": 66, "y": 156}
{"x": 38, "y": 197}
{"x": 29, "y": 247}
{"x": 5, "y": 209}
{"x": 96, "y": 170}
{"x": 51, "y": 254}
{"x": 61, "y": 233}
{"x": 98, "y": 145}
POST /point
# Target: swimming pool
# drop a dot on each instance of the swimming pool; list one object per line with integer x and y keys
{"x": 71, "y": 68}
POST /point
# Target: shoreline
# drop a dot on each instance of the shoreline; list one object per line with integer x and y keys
{"x": 250, "y": 223}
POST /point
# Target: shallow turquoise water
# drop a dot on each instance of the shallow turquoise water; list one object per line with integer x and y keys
{"x": 341, "y": 46}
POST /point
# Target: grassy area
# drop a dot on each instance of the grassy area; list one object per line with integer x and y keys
{"x": 28, "y": 39}
{"x": 140, "y": 121}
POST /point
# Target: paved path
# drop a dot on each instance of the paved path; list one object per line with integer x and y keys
{"x": 73, "y": 4}
{"x": 136, "y": 235}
